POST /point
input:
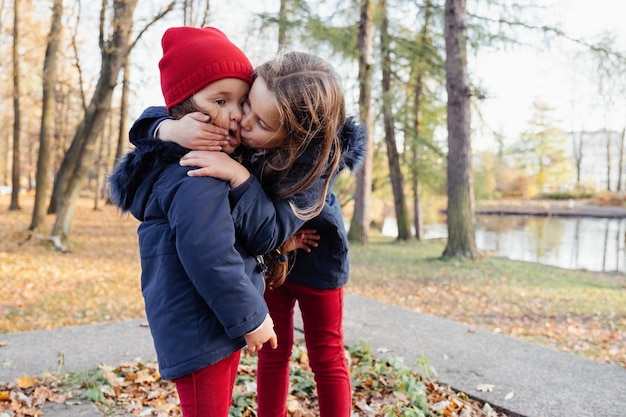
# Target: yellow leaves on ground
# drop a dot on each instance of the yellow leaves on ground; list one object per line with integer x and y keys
{"x": 25, "y": 382}
{"x": 96, "y": 281}
{"x": 137, "y": 387}
{"x": 26, "y": 396}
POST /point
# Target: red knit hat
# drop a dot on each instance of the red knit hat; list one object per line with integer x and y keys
{"x": 194, "y": 58}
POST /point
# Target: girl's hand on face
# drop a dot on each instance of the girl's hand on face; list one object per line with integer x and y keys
{"x": 304, "y": 239}
{"x": 194, "y": 131}
{"x": 217, "y": 165}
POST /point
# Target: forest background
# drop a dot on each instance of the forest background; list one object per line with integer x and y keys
{"x": 66, "y": 114}
{"x": 79, "y": 72}
{"x": 71, "y": 92}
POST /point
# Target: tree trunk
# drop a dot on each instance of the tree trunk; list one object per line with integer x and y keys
{"x": 620, "y": 166}
{"x": 122, "y": 133}
{"x": 282, "y": 25}
{"x": 360, "y": 223}
{"x": 47, "y": 113}
{"x": 607, "y": 134}
{"x": 397, "y": 181}
{"x": 15, "y": 172}
{"x": 79, "y": 157}
{"x": 460, "y": 217}
{"x": 578, "y": 154}
{"x": 415, "y": 182}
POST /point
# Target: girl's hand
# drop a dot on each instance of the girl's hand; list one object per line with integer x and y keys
{"x": 194, "y": 131}
{"x": 217, "y": 165}
{"x": 265, "y": 333}
{"x": 304, "y": 239}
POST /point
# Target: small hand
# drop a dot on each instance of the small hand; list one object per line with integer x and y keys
{"x": 304, "y": 239}
{"x": 265, "y": 333}
{"x": 217, "y": 165}
{"x": 194, "y": 131}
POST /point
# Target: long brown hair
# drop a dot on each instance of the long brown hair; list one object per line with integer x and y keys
{"x": 311, "y": 106}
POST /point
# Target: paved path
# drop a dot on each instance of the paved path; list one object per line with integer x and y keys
{"x": 544, "y": 382}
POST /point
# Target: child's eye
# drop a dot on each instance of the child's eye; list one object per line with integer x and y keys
{"x": 220, "y": 102}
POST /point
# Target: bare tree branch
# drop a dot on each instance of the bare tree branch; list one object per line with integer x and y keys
{"x": 155, "y": 19}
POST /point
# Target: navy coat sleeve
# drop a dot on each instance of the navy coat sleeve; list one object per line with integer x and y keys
{"x": 199, "y": 215}
{"x": 146, "y": 124}
{"x": 265, "y": 224}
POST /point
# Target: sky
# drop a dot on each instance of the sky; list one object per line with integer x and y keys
{"x": 514, "y": 78}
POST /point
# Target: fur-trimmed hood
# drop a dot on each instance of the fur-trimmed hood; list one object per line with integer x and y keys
{"x": 353, "y": 137}
{"x": 133, "y": 175}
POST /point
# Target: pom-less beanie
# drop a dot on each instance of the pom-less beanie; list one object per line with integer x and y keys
{"x": 194, "y": 58}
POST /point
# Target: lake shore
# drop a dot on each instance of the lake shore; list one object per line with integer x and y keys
{"x": 556, "y": 208}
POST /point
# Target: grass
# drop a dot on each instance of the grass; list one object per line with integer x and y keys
{"x": 98, "y": 281}
{"x": 576, "y": 311}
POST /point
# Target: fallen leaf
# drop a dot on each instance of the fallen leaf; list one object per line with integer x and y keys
{"x": 25, "y": 382}
{"x": 292, "y": 404}
{"x": 485, "y": 387}
{"x": 145, "y": 376}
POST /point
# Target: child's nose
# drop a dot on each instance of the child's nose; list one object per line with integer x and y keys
{"x": 236, "y": 114}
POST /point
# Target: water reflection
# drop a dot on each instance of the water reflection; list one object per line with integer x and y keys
{"x": 595, "y": 244}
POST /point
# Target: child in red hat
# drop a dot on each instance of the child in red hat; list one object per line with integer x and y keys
{"x": 298, "y": 138}
{"x": 203, "y": 289}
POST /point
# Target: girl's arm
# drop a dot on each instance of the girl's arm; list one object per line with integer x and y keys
{"x": 192, "y": 131}
{"x": 263, "y": 224}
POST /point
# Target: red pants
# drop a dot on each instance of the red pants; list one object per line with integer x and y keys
{"x": 322, "y": 315}
{"x": 209, "y": 391}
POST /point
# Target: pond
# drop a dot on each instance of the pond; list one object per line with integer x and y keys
{"x": 595, "y": 244}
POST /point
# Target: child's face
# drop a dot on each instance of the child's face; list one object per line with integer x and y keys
{"x": 260, "y": 126}
{"x": 222, "y": 100}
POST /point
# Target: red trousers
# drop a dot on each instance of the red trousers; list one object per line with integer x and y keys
{"x": 322, "y": 315}
{"x": 209, "y": 391}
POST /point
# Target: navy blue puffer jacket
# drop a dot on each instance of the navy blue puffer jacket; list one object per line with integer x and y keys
{"x": 325, "y": 267}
